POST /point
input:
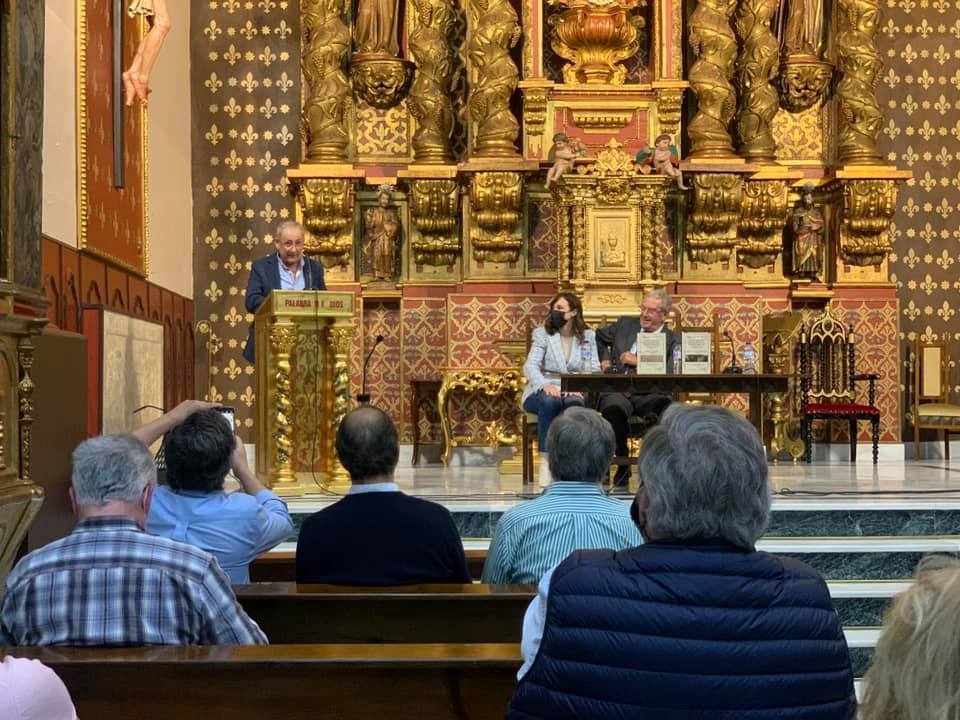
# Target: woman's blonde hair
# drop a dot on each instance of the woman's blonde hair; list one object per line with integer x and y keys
{"x": 915, "y": 673}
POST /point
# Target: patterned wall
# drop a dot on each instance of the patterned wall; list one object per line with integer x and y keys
{"x": 919, "y": 96}
{"x": 245, "y": 81}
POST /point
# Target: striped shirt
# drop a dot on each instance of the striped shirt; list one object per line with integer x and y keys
{"x": 110, "y": 583}
{"x": 536, "y": 535}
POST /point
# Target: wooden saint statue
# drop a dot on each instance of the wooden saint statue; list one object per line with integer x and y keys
{"x": 376, "y": 28}
{"x": 381, "y": 229}
{"x": 800, "y": 27}
{"x": 806, "y": 232}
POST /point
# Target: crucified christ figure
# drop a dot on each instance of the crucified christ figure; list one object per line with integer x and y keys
{"x": 136, "y": 79}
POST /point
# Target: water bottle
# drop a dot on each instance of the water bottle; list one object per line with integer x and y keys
{"x": 585, "y": 358}
{"x": 676, "y": 362}
{"x": 749, "y": 358}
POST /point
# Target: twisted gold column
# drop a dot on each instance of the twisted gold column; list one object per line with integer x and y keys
{"x": 282, "y": 340}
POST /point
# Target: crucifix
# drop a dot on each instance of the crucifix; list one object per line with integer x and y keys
{"x": 118, "y": 12}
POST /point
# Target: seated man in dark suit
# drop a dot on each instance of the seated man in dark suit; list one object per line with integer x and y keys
{"x": 617, "y": 348}
{"x": 286, "y": 269}
{"x": 377, "y": 535}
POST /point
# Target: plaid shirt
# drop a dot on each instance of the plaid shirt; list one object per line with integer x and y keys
{"x": 110, "y": 583}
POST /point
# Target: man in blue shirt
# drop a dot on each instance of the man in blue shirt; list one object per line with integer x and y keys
{"x": 286, "y": 269}
{"x": 193, "y": 508}
{"x": 572, "y": 514}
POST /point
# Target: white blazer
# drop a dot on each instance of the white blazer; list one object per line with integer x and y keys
{"x": 545, "y": 361}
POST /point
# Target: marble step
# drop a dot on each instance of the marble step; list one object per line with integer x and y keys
{"x": 861, "y": 643}
{"x": 863, "y": 603}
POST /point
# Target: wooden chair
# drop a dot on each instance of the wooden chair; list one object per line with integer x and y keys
{"x": 828, "y": 382}
{"x": 931, "y": 406}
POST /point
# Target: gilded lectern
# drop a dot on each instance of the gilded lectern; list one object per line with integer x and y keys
{"x": 303, "y": 341}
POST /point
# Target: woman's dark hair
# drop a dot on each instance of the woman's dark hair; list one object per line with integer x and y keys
{"x": 579, "y": 325}
{"x": 198, "y": 452}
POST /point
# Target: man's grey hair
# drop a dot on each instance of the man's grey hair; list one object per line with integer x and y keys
{"x": 288, "y": 224}
{"x": 704, "y": 470}
{"x": 580, "y": 443}
{"x": 110, "y": 468}
{"x": 663, "y": 296}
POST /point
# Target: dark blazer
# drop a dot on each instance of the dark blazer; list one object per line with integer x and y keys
{"x": 264, "y": 277}
{"x": 621, "y": 336}
{"x": 381, "y": 538}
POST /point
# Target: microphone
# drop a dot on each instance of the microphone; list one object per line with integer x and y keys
{"x": 732, "y": 368}
{"x": 363, "y": 397}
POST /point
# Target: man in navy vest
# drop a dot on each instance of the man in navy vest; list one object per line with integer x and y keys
{"x": 694, "y": 623}
{"x": 286, "y": 269}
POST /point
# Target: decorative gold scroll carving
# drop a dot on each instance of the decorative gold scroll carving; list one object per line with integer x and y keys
{"x": 776, "y": 357}
{"x": 763, "y": 211}
{"x": 430, "y": 102}
{"x": 868, "y": 207}
{"x": 25, "y": 348}
{"x": 339, "y": 340}
{"x": 491, "y": 383}
{"x": 713, "y": 44}
{"x": 435, "y": 214}
{"x": 495, "y": 30}
{"x": 669, "y": 108}
{"x": 756, "y": 68}
{"x": 802, "y": 82}
{"x": 534, "y": 110}
{"x": 326, "y": 41}
{"x": 327, "y": 205}
{"x": 596, "y": 36}
{"x": 282, "y": 340}
{"x": 381, "y": 81}
{"x": 716, "y": 212}
{"x": 602, "y": 121}
{"x": 496, "y": 200}
{"x": 859, "y": 65}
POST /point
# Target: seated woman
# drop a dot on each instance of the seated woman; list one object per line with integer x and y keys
{"x": 199, "y": 448}
{"x": 562, "y": 345}
{"x": 915, "y": 674}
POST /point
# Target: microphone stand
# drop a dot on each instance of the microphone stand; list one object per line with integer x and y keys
{"x": 363, "y": 397}
{"x": 733, "y": 368}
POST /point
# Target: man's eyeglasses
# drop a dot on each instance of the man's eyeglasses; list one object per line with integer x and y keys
{"x": 652, "y": 311}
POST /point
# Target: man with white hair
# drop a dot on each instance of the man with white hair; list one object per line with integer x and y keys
{"x": 109, "y": 582}
{"x": 695, "y": 623}
{"x": 286, "y": 269}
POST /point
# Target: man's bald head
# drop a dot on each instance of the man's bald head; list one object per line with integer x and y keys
{"x": 368, "y": 445}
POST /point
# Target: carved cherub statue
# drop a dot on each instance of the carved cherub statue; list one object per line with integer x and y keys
{"x": 664, "y": 158}
{"x": 564, "y": 153}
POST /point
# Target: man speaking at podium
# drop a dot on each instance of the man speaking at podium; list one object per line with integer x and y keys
{"x": 287, "y": 269}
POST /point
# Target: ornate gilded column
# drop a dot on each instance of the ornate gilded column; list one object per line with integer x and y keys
{"x": 326, "y": 43}
{"x": 652, "y": 213}
{"x": 339, "y": 340}
{"x": 756, "y": 69}
{"x": 435, "y": 213}
{"x": 494, "y": 31}
{"x": 715, "y": 47}
{"x": 430, "y": 104}
{"x": 25, "y": 390}
{"x": 859, "y": 64}
{"x": 496, "y": 206}
{"x": 282, "y": 339}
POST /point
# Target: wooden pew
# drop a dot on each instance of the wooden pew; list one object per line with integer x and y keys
{"x": 334, "y": 682}
{"x": 281, "y": 566}
{"x": 290, "y": 613}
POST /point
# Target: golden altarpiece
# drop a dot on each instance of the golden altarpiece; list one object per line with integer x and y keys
{"x": 428, "y": 127}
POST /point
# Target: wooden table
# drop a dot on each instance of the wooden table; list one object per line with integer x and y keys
{"x": 753, "y": 385}
{"x": 421, "y": 391}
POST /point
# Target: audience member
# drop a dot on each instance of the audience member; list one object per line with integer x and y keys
{"x": 695, "y": 623}
{"x": 111, "y": 583}
{"x": 199, "y": 447}
{"x": 377, "y": 535}
{"x": 29, "y": 690}
{"x": 617, "y": 346}
{"x": 571, "y": 514}
{"x": 562, "y": 345}
{"x": 915, "y": 674}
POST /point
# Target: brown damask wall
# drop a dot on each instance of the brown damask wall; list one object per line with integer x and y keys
{"x": 920, "y": 95}
{"x": 245, "y": 83}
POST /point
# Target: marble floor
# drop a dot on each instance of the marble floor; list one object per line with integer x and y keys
{"x": 925, "y": 483}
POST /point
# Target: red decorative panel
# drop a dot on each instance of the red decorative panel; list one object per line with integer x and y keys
{"x": 476, "y": 321}
{"x": 384, "y": 371}
{"x": 113, "y": 220}
{"x": 542, "y": 237}
{"x": 424, "y": 353}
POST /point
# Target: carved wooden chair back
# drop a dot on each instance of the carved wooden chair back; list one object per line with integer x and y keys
{"x": 828, "y": 360}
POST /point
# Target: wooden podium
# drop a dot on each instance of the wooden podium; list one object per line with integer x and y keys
{"x": 303, "y": 339}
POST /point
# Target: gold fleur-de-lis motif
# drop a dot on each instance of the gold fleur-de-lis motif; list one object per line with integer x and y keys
{"x": 945, "y": 260}
{"x": 213, "y": 239}
{"x": 213, "y": 135}
{"x": 268, "y": 214}
{"x": 233, "y": 213}
{"x": 247, "y": 397}
{"x": 249, "y": 83}
{"x": 214, "y": 395}
{"x": 284, "y": 136}
{"x": 249, "y": 240}
{"x": 231, "y": 6}
{"x": 267, "y": 5}
{"x": 911, "y": 311}
{"x": 283, "y": 30}
{"x": 268, "y": 109}
{"x": 284, "y": 83}
{"x": 232, "y": 55}
{"x": 267, "y": 56}
{"x": 233, "y": 318}
{"x": 214, "y": 187}
{"x": 232, "y": 370}
{"x": 249, "y": 187}
{"x": 911, "y": 260}
{"x": 213, "y": 83}
{"x": 212, "y": 30}
{"x": 213, "y": 291}
{"x": 249, "y": 30}
{"x": 249, "y": 136}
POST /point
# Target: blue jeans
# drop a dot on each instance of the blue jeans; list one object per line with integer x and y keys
{"x": 547, "y": 408}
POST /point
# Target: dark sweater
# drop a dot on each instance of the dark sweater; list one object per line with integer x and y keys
{"x": 381, "y": 538}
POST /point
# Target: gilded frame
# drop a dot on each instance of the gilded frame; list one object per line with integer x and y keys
{"x": 83, "y": 128}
